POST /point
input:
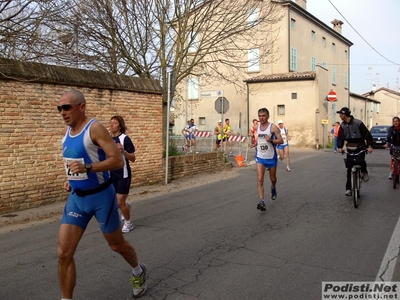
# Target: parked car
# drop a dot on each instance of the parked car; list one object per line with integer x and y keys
{"x": 379, "y": 134}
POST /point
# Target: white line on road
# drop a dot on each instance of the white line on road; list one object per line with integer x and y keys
{"x": 386, "y": 271}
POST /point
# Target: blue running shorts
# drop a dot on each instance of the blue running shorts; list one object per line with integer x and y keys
{"x": 268, "y": 163}
{"x": 282, "y": 146}
{"x": 103, "y": 206}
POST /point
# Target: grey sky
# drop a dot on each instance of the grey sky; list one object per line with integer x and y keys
{"x": 377, "y": 22}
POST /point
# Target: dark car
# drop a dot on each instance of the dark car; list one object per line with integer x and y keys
{"x": 379, "y": 134}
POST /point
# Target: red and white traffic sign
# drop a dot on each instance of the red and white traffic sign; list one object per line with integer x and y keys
{"x": 332, "y": 96}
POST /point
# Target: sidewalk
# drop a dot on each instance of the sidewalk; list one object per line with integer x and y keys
{"x": 50, "y": 213}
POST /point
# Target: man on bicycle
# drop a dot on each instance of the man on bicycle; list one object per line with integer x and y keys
{"x": 356, "y": 134}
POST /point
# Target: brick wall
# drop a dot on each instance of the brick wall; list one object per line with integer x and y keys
{"x": 191, "y": 164}
{"x": 31, "y": 129}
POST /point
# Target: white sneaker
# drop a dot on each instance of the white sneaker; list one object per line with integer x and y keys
{"x": 288, "y": 169}
{"x": 128, "y": 226}
{"x": 129, "y": 206}
{"x": 349, "y": 193}
{"x": 139, "y": 283}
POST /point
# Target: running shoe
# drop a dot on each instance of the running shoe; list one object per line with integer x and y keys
{"x": 365, "y": 176}
{"x": 288, "y": 169}
{"x": 390, "y": 176}
{"x": 129, "y": 206}
{"x": 139, "y": 282}
{"x": 273, "y": 193}
{"x": 261, "y": 205}
{"x": 128, "y": 226}
{"x": 349, "y": 193}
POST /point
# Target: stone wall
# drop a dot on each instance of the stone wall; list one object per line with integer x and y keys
{"x": 31, "y": 129}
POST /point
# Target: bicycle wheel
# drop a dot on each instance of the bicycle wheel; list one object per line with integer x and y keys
{"x": 355, "y": 185}
{"x": 395, "y": 173}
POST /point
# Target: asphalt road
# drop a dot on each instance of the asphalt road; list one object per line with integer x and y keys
{"x": 210, "y": 242}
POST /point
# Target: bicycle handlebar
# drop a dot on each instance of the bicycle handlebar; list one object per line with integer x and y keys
{"x": 355, "y": 154}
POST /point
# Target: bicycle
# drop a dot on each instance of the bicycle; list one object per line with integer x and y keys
{"x": 356, "y": 178}
{"x": 395, "y": 164}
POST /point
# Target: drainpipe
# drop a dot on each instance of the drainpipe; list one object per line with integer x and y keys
{"x": 248, "y": 107}
{"x": 317, "y": 128}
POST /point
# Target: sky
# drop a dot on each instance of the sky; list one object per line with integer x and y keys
{"x": 376, "y": 22}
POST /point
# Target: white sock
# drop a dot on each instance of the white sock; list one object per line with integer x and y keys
{"x": 137, "y": 271}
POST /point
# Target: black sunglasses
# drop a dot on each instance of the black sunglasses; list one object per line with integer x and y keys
{"x": 66, "y": 107}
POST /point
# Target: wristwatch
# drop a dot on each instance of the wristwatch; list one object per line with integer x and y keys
{"x": 88, "y": 167}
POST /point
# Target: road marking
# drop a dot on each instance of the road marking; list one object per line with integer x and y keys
{"x": 386, "y": 271}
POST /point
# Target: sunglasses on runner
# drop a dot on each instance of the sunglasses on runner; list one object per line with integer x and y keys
{"x": 66, "y": 107}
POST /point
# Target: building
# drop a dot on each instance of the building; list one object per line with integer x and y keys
{"x": 312, "y": 60}
{"x": 389, "y": 105}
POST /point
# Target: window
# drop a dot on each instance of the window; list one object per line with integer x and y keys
{"x": 378, "y": 107}
{"x": 333, "y": 47}
{"x": 313, "y": 63}
{"x": 333, "y": 75}
{"x": 193, "y": 88}
{"x": 193, "y": 42}
{"x": 313, "y": 35}
{"x": 294, "y": 95}
{"x": 346, "y": 80}
{"x": 253, "y": 16}
{"x": 293, "y": 24}
{"x": 346, "y": 55}
{"x": 281, "y": 109}
{"x": 323, "y": 42}
{"x": 324, "y": 65}
{"x": 293, "y": 60}
{"x": 371, "y": 106}
{"x": 361, "y": 115}
{"x": 354, "y": 112}
{"x": 253, "y": 60}
{"x": 202, "y": 121}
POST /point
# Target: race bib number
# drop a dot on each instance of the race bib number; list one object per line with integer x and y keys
{"x": 262, "y": 147}
{"x": 284, "y": 137}
{"x": 74, "y": 176}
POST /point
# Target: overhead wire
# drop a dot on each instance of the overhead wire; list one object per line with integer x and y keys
{"x": 362, "y": 36}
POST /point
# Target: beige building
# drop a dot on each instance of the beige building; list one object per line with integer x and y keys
{"x": 389, "y": 105}
{"x": 312, "y": 60}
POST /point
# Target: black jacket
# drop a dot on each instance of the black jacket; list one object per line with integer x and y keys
{"x": 354, "y": 132}
{"x": 393, "y": 136}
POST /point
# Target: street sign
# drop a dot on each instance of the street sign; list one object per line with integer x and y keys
{"x": 324, "y": 121}
{"x": 211, "y": 93}
{"x": 332, "y": 96}
{"x": 221, "y": 105}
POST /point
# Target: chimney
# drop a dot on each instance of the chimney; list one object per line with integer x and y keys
{"x": 302, "y": 3}
{"x": 337, "y": 25}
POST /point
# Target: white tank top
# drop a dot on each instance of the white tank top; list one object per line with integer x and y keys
{"x": 284, "y": 136}
{"x": 265, "y": 150}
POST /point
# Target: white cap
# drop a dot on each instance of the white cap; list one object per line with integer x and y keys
{"x": 280, "y": 122}
{"x": 219, "y": 121}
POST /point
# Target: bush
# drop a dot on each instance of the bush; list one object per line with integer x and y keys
{"x": 172, "y": 149}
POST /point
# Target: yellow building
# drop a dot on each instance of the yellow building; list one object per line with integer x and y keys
{"x": 312, "y": 59}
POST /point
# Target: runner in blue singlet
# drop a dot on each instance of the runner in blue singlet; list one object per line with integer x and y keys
{"x": 89, "y": 154}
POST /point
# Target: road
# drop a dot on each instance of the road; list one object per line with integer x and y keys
{"x": 210, "y": 242}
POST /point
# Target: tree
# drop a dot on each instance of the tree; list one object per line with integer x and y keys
{"x": 21, "y": 35}
{"x": 150, "y": 38}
